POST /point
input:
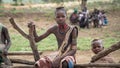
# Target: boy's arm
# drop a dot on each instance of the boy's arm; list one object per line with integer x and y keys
{"x": 39, "y": 38}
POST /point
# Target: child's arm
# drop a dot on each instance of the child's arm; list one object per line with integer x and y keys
{"x": 44, "y": 35}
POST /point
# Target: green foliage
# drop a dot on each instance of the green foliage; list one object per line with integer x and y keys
{"x": 84, "y": 43}
{"x": 19, "y": 43}
{"x": 109, "y": 41}
{"x": 48, "y": 43}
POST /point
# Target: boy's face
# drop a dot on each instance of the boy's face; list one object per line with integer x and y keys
{"x": 60, "y": 17}
{"x": 96, "y": 47}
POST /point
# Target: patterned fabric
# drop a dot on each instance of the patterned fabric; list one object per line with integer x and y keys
{"x": 44, "y": 62}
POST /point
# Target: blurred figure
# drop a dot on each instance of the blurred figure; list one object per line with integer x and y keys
{"x": 74, "y": 17}
{"x": 5, "y": 43}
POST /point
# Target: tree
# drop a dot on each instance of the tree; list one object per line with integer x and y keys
{"x": 83, "y": 4}
{"x": 0, "y": 2}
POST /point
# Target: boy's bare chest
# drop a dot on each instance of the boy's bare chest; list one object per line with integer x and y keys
{"x": 60, "y": 36}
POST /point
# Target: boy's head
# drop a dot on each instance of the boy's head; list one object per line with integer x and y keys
{"x": 60, "y": 15}
{"x": 97, "y": 45}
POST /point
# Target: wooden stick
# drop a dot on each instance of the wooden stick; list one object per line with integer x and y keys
{"x": 30, "y": 37}
{"x": 32, "y": 42}
{"x": 30, "y": 66}
{"x": 15, "y": 26}
{"x": 22, "y": 53}
{"x": 22, "y": 61}
{"x": 97, "y": 65}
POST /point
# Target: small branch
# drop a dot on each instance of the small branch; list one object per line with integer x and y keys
{"x": 18, "y": 28}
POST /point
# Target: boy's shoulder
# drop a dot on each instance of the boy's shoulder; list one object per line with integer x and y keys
{"x": 53, "y": 28}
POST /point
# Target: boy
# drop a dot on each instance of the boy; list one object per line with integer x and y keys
{"x": 64, "y": 33}
{"x": 97, "y": 47}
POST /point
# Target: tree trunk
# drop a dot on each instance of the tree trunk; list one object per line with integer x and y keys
{"x": 83, "y": 4}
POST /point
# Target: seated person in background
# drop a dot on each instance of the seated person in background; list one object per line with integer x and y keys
{"x": 74, "y": 17}
{"x": 97, "y": 46}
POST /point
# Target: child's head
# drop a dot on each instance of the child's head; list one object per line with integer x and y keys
{"x": 97, "y": 45}
{"x": 60, "y": 15}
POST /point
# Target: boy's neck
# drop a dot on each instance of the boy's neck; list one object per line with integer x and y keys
{"x": 63, "y": 26}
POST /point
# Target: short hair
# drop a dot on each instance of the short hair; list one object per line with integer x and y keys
{"x": 97, "y": 41}
{"x": 60, "y": 9}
